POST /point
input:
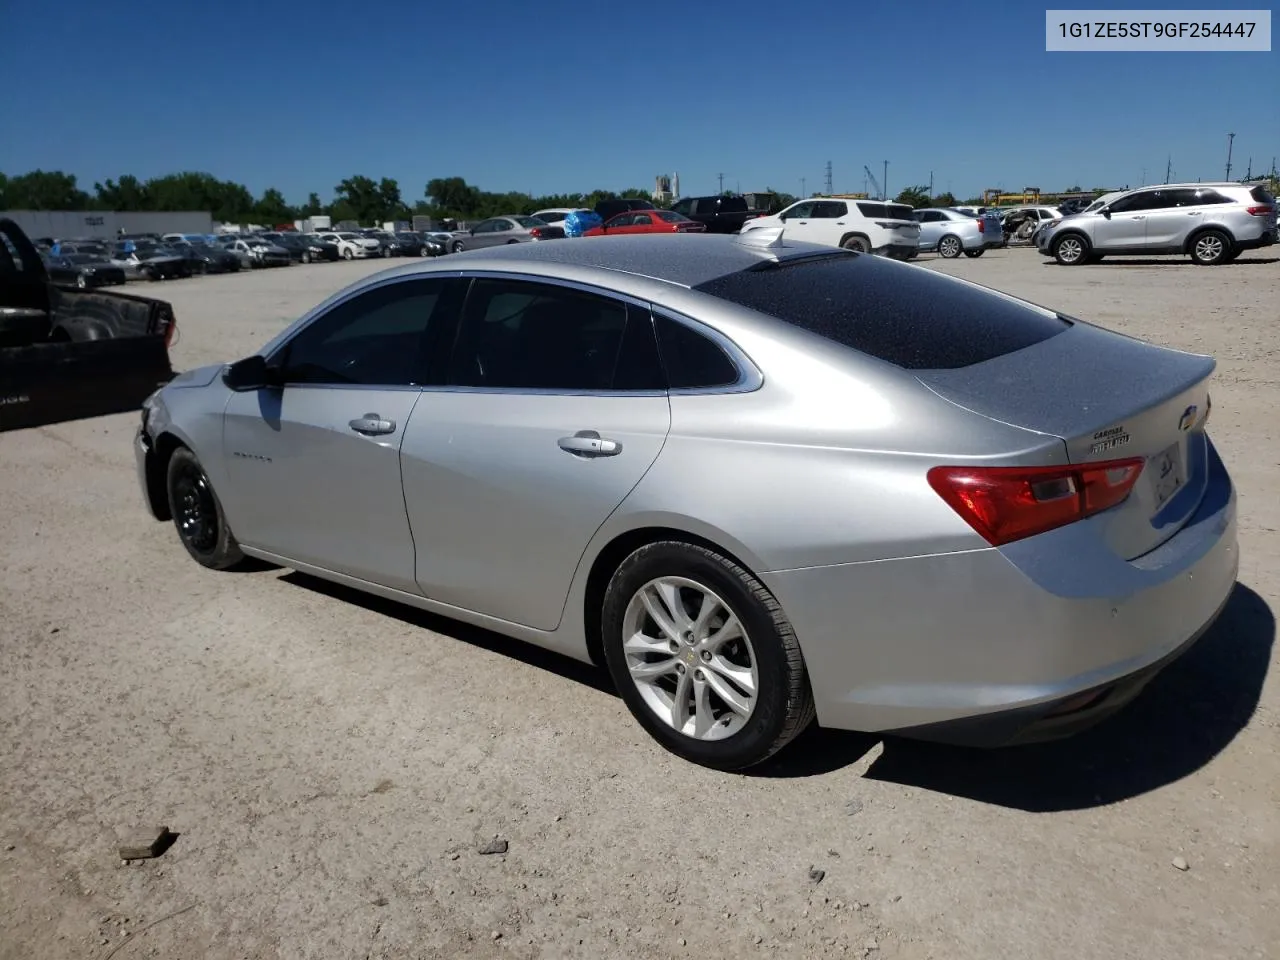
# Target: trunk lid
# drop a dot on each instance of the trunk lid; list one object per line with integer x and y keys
{"x": 1107, "y": 397}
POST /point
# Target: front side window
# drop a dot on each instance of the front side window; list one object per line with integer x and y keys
{"x": 517, "y": 334}
{"x": 380, "y": 337}
{"x": 829, "y": 210}
{"x": 800, "y": 211}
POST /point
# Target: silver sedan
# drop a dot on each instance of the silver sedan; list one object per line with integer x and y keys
{"x": 758, "y": 480}
{"x": 502, "y": 230}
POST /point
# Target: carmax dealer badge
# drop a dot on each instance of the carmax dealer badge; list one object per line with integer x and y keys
{"x": 1188, "y": 418}
{"x": 1108, "y": 439}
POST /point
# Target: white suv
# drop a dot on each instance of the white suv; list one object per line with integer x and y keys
{"x": 1210, "y": 222}
{"x": 868, "y": 226}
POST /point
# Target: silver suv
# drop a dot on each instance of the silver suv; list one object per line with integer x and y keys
{"x": 1211, "y": 222}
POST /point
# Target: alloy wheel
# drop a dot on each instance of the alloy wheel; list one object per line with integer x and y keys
{"x": 690, "y": 658}
{"x": 1070, "y": 250}
{"x": 1209, "y": 247}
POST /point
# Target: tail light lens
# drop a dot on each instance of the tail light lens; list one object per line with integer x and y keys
{"x": 1005, "y": 504}
{"x": 982, "y": 226}
{"x": 1262, "y": 211}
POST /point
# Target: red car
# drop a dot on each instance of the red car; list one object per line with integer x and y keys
{"x": 647, "y": 221}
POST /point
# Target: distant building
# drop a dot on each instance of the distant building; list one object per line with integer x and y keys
{"x": 666, "y": 188}
{"x": 105, "y": 224}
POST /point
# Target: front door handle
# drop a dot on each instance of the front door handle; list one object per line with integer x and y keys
{"x": 1142, "y": 217}
{"x": 588, "y": 443}
{"x": 372, "y": 425}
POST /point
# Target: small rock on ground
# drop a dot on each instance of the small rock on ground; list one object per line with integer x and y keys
{"x": 816, "y": 875}
{"x": 1180, "y": 863}
{"x": 493, "y": 846}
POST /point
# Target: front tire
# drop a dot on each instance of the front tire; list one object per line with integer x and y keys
{"x": 1211, "y": 248}
{"x": 704, "y": 657}
{"x": 950, "y": 247}
{"x": 306, "y": 256}
{"x": 197, "y": 513}
{"x": 347, "y": 254}
{"x": 1071, "y": 250}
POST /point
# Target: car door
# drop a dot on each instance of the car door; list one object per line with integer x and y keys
{"x": 829, "y": 223}
{"x": 798, "y": 221}
{"x": 315, "y": 464}
{"x": 554, "y": 410}
{"x": 1176, "y": 213}
{"x": 931, "y": 224}
{"x": 1123, "y": 224}
{"x": 619, "y": 224}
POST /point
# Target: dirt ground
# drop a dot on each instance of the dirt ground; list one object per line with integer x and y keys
{"x": 332, "y": 763}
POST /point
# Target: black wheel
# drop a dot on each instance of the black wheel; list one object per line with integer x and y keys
{"x": 347, "y": 254}
{"x": 704, "y": 657}
{"x": 306, "y": 256}
{"x": 423, "y": 251}
{"x": 82, "y": 281}
{"x": 1211, "y": 248}
{"x": 1070, "y": 249}
{"x": 459, "y": 246}
{"x": 974, "y": 254}
{"x": 950, "y": 247}
{"x": 197, "y": 514}
{"x": 859, "y": 244}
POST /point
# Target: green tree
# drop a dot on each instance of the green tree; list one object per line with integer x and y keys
{"x": 272, "y": 207}
{"x": 126, "y": 195}
{"x": 944, "y": 199}
{"x": 1075, "y": 189}
{"x": 363, "y": 198}
{"x": 313, "y": 206}
{"x": 917, "y": 196}
{"x": 45, "y": 190}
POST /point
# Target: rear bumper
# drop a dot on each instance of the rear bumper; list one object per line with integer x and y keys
{"x": 1265, "y": 240}
{"x": 985, "y": 646}
{"x": 897, "y": 249}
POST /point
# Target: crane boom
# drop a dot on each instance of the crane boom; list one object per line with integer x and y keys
{"x": 874, "y": 182}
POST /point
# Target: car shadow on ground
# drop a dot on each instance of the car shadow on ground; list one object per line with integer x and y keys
{"x": 584, "y": 673}
{"x": 1187, "y": 715}
{"x": 1184, "y": 718}
{"x": 1173, "y": 260}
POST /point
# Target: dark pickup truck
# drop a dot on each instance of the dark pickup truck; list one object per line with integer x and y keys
{"x": 720, "y": 214}
{"x": 67, "y": 353}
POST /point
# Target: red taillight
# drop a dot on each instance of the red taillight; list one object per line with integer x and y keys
{"x": 536, "y": 232}
{"x": 982, "y": 225}
{"x": 1263, "y": 211}
{"x": 1009, "y": 503}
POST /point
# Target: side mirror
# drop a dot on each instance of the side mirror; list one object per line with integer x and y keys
{"x": 252, "y": 373}
{"x": 1105, "y": 212}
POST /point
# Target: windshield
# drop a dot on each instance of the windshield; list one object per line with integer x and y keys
{"x": 350, "y": 236}
{"x": 552, "y": 216}
{"x": 670, "y": 216}
{"x": 530, "y": 222}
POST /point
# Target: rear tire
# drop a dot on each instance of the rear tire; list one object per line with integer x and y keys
{"x": 950, "y": 247}
{"x": 1211, "y": 248}
{"x": 197, "y": 513}
{"x": 758, "y": 665}
{"x": 459, "y": 246}
{"x": 857, "y": 244}
{"x": 974, "y": 254}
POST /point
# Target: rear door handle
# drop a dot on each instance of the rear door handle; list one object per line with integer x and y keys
{"x": 1142, "y": 217}
{"x": 588, "y": 443}
{"x": 372, "y": 425}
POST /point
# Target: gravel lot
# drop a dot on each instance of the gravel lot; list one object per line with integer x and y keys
{"x": 332, "y": 762}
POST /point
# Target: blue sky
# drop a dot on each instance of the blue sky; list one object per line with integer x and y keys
{"x": 563, "y": 96}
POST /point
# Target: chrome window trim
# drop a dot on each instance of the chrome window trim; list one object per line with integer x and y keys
{"x": 749, "y": 379}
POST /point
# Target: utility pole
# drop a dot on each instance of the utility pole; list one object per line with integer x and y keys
{"x": 721, "y": 176}
{"x": 803, "y": 195}
{"x": 930, "y": 186}
{"x": 1144, "y": 177}
{"x": 1231, "y": 137}
{"x": 1168, "y": 168}
{"x": 829, "y": 190}
{"x": 1248, "y": 174}
{"x": 884, "y": 184}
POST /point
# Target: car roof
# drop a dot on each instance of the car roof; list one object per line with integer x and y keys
{"x": 682, "y": 259}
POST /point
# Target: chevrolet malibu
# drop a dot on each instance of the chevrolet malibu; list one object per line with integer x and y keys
{"x": 760, "y": 481}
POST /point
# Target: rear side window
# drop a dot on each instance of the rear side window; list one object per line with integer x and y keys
{"x": 519, "y": 334}
{"x": 692, "y": 360}
{"x": 1262, "y": 195}
{"x": 733, "y": 204}
{"x": 916, "y": 319}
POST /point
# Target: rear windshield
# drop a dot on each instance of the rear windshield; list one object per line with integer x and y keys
{"x": 886, "y": 211}
{"x": 1262, "y": 195}
{"x": 915, "y": 319}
